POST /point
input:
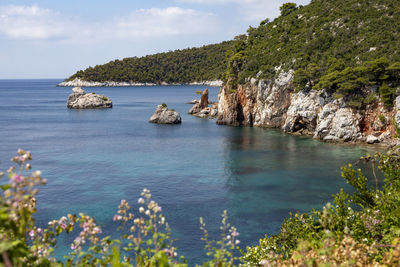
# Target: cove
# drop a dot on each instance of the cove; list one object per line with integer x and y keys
{"x": 94, "y": 158}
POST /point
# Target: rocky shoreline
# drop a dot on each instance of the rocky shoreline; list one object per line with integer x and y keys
{"x": 82, "y": 83}
{"x": 275, "y": 104}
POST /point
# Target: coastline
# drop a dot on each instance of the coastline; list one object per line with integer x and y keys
{"x": 82, "y": 83}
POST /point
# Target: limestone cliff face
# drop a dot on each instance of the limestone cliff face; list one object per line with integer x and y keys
{"x": 274, "y": 104}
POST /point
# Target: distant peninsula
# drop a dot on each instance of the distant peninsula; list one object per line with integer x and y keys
{"x": 198, "y": 66}
{"x": 83, "y": 83}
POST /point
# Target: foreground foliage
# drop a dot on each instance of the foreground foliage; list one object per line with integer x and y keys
{"x": 145, "y": 237}
{"x": 358, "y": 229}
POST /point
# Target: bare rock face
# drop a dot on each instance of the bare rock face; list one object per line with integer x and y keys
{"x": 202, "y": 109}
{"x": 262, "y": 103}
{"x": 275, "y": 104}
{"x": 79, "y": 99}
{"x": 204, "y": 99}
{"x": 163, "y": 115}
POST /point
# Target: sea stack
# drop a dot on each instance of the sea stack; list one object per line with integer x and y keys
{"x": 163, "y": 115}
{"x": 79, "y": 99}
{"x": 202, "y": 109}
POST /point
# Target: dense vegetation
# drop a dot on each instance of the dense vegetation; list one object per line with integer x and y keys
{"x": 328, "y": 43}
{"x": 181, "y": 66}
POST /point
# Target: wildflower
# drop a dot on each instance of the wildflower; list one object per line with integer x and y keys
{"x": 17, "y": 178}
{"x": 141, "y": 209}
{"x": 37, "y": 173}
{"x": 228, "y": 237}
{"x": 117, "y": 218}
{"x": 237, "y": 242}
{"x": 168, "y": 252}
{"x": 97, "y": 230}
{"x": 31, "y": 233}
{"x": 235, "y": 233}
{"x": 73, "y": 247}
{"x": 147, "y": 212}
{"x": 140, "y": 200}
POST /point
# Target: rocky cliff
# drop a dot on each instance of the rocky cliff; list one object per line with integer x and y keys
{"x": 274, "y": 104}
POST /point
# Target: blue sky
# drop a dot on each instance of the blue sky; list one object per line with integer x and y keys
{"x": 55, "y": 38}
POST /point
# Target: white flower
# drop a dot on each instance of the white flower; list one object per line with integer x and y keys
{"x": 140, "y": 200}
{"x": 237, "y": 242}
{"x": 147, "y": 212}
{"x": 141, "y": 209}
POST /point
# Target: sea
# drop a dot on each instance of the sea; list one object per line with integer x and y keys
{"x": 93, "y": 159}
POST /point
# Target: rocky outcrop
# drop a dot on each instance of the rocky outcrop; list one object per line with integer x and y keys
{"x": 79, "y": 99}
{"x": 83, "y": 83}
{"x": 202, "y": 109}
{"x": 274, "y": 104}
{"x": 163, "y": 115}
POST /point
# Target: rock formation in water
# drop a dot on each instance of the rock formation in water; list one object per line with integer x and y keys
{"x": 274, "y": 104}
{"x": 79, "y": 99}
{"x": 163, "y": 115}
{"x": 202, "y": 109}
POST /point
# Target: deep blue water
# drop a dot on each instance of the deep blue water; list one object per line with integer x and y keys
{"x": 94, "y": 158}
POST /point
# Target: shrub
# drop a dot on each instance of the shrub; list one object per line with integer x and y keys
{"x": 363, "y": 224}
{"x": 164, "y": 105}
{"x": 382, "y": 118}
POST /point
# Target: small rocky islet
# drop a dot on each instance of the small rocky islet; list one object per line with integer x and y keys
{"x": 79, "y": 99}
{"x": 163, "y": 115}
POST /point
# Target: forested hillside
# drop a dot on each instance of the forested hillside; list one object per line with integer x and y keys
{"x": 181, "y": 66}
{"x": 342, "y": 45}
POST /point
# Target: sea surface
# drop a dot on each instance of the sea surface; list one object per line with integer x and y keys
{"x": 94, "y": 158}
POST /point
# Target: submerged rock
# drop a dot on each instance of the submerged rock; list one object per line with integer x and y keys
{"x": 79, "y": 99}
{"x": 194, "y": 101}
{"x": 163, "y": 115}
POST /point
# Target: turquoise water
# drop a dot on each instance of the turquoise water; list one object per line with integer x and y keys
{"x": 94, "y": 158}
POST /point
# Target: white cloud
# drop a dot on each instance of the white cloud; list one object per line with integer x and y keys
{"x": 35, "y": 23}
{"x": 252, "y": 10}
{"x": 29, "y": 22}
{"x": 163, "y": 22}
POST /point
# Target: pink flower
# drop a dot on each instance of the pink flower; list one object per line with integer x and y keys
{"x": 85, "y": 226}
{"x": 18, "y": 178}
{"x": 117, "y": 218}
{"x": 31, "y": 233}
{"x": 73, "y": 247}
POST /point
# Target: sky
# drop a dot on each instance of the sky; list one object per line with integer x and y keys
{"x": 56, "y": 38}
